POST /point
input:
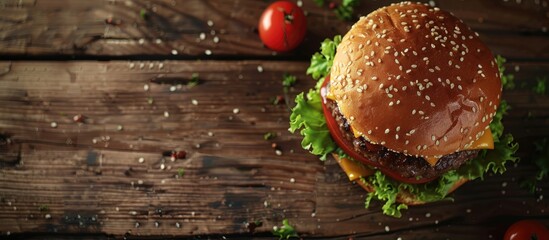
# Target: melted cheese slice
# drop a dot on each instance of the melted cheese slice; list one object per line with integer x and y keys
{"x": 354, "y": 170}
{"x": 355, "y": 132}
{"x": 330, "y": 96}
{"x": 486, "y": 141}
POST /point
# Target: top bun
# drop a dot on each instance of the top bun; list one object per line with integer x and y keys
{"x": 416, "y": 80}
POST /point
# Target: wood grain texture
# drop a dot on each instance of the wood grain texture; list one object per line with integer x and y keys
{"x": 90, "y": 178}
{"x": 69, "y": 28}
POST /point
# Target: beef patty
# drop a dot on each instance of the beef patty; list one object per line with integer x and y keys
{"x": 407, "y": 166}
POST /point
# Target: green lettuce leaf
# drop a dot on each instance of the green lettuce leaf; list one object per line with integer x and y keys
{"x": 507, "y": 80}
{"x": 307, "y": 115}
{"x": 321, "y": 62}
{"x": 496, "y": 126}
{"x": 386, "y": 191}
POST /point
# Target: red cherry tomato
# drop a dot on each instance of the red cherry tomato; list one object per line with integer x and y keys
{"x": 282, "y": 26}
{"x": 340, "y": 140}
{"x": 527, "y": 230}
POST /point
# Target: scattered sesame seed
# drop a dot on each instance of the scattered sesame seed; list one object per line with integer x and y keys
{"x": 236, "y": 111}
{"x": 53, "y": 124}
{"x": 174, "y": 52}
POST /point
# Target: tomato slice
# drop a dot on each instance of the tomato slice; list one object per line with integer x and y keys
{"x": 348, "y": 148}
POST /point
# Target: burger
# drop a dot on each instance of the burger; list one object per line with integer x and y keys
{"x": 409, "y": 104}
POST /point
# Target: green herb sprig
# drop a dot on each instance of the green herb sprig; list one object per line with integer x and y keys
{"x": 343, "y": 11}
{"x": 541, "y": 86}
{"x": 540, "y": 158}
{"x": 286, "y": 231}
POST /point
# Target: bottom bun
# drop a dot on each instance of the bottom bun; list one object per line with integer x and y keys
{"x": 403, "y": 196}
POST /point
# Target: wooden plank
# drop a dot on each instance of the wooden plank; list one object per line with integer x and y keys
{"x": 88, "y": 178}
{"x": 61, "y": 27}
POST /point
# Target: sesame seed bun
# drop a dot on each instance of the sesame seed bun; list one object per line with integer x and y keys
{"x": 416, "y": 80}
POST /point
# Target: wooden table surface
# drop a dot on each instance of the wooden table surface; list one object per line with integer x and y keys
{"x": 108, "y": 178}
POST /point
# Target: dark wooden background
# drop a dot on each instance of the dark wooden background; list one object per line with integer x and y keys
{"x": 59, "y": 58}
